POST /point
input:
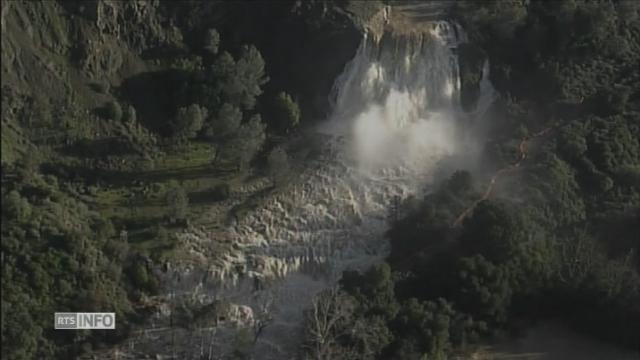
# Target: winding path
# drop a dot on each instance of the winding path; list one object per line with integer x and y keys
{"x": 522, "y": 149}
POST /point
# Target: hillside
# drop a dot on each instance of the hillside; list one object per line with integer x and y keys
{"x": 125, "y": 124}
{"x": 319, "y": 179}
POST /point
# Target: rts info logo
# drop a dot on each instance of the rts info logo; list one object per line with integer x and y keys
{"x": 91, "y": 321}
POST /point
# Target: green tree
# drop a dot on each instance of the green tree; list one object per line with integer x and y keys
{"x": 572, "y": 142}
{"x": 248, "y": 141}
{"x": 212, "y": 83}
{"x": 222, "y": 69}
{"x": 20, "y": 331}
{"x": 613, "y": 143}
{"x": 424, "y": 329}
{"x": 369, "y": 336}
{"x": 226, "y": 121}
{"x": 139, "y": 275}
{"x": 483, "y": 289}
{"x": 286, "y": 112}
{"x": 493, "y": 231}
{"x": 374, "y": 290}
{"x": 249, "y": 77}
{"x": 28, "y": 166}
{"x": 189, "y": 120}
{"x": 16, "y": 207}
{"x": 237, "y": 82}
{"x": 553, "y": 192}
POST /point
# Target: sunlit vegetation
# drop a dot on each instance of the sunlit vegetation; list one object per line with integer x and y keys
{"x": 117, "y": 135}
{"x": 101, "y": 169}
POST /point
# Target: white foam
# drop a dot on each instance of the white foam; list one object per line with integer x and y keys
{"x": 395, "y": 116}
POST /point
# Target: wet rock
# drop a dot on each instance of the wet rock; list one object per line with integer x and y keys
{"x": 471, "y": 59}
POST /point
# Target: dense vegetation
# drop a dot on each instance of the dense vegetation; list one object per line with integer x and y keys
{"x": 121, "y": 123}
{"x": 60, "y": 253}
{"x": 559, "y": 238}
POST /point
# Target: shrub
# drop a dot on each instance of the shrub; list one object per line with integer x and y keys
{"x": 189, "y": 121}
{"x": 287, "y": 112}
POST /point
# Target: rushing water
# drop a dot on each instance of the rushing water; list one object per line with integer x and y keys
{"x": 396, "y": 118}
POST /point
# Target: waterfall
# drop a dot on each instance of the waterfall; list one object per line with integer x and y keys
{"x": 396, "y": 117}
{"x": 397, "y": 100}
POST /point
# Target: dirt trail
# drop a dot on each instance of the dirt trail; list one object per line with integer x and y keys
{"x": 522, "y": 149}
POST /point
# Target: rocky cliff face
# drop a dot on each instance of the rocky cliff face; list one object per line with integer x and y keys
{"x": 53, "y": 47}
{"x": 76, "y": 54}
{"x": 54, "y": 44}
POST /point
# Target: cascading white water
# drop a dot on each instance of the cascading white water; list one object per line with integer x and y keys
{"x": 396, "y": 115}
{"x": 396, "y": 101}
{"x": 394, "y": 119}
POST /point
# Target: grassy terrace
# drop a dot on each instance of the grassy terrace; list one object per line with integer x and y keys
{"x": 135, "y": 199}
